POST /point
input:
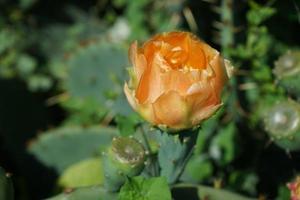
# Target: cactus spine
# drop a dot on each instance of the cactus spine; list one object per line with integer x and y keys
{"x": 124, "y": 158}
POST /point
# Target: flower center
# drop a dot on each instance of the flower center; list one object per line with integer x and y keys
{"x": 176, "y": 57}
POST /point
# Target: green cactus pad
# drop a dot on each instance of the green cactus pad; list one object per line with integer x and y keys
{"x": 60, "y": 148}
{"x": 204, "y": 192}
{"x": 171, "y": 156}
{"x": 282, "y": 123}
{"x": 86, "y": 193}
{"x": 6, "y": 188}
{"x": 96, "y": 71}
{"x": 88, "y": 172}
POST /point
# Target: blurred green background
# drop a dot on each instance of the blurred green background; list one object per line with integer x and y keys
{"x": 63, "y": 64}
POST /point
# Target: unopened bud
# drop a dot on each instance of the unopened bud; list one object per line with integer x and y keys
{"x": 282, "y": 123}
{"x": 287, "y": 72}
{"x": 125, "y": 158}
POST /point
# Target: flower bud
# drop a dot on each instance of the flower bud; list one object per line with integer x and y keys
{"x": 176, "y": 80}
{"x": 287, "y": 72}
{"x": 294, "y": 188}
{"x": 282, "y": 123}
{"x": 124, "y": 158}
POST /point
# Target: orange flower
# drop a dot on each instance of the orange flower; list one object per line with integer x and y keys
{"x": 176, "y": 80}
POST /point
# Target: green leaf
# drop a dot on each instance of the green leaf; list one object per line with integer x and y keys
{"x": 197, "y": 169}
{"x": 6, "y": 188}
{"x": 25, "y": 4}
{"x": 84, "y": 173}
{"x": 171, "y": 156}
{"x": 127, "y": 125}
{"x": 139, "y": 188}
{"x": 258, "y": 13}
{"x": 25, "y": 65}
{"x": 224, "y": 145}
{"x": 39, "y": 82}
{"x": 62, "y": 147}
{"x": 283, "y": 193}
{"x": 87, "y": 193}
{"x": 8, "y": 38}
{"x": 210, "y": 193}
{"x": 243, "y": 181}
{"x": 205, "y": 193}
{"x": 207, "y": 128}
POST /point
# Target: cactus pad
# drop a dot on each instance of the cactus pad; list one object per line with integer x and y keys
{"x": 60, "y": 148}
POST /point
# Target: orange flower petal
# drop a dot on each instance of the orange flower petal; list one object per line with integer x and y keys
{"x": 150, "y": 87}
{"x": 138, "y": 60}
{"x": 130, "y": 96}
{"x": 220, "y": 78}
{"x": 197, "y": 58}
{"x": 170, "y": 109}
{"x": 202, "y": 104}
{"x": 204, "y": 114}
{"x": 178, "y": 81}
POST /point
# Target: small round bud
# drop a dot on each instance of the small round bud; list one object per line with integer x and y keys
{"x": 125, "y": 158}
{"x": 287, "y": 72}
{"x": 282, "y": 123}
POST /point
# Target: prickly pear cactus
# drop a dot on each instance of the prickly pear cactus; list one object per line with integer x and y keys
{"x": 96, "y": 71}
{"x": 202, "y": 192}
{"x": 282, "y": 123}
{"x": 209, "y": 193}
{"x": 124, "y": 158}
{"x": 59, "y": 148}
{"x": 6, "y": 188}
{"x": 287, "y": 72}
